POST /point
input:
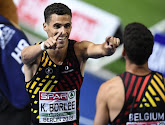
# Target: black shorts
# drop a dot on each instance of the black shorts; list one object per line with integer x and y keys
{"x": 10, "y": 115}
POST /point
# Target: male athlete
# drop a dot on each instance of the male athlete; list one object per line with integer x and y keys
{"x": 137, "y": 96}
{"x": 54, "y": 69}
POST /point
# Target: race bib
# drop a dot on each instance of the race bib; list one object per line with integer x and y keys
{"x": 57, "y": 107}
{"x": 146, "y": 123}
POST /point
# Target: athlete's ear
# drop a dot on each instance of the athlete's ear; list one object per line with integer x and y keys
{"x": 45, "y": 26}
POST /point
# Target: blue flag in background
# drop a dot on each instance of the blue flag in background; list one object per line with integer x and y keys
{"x": 157, "y": 59}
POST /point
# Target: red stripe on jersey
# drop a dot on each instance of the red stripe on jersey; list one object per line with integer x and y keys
{"x": 142, "y": 88}
{"x": 61, "y": 88}
{"x": 70, "y": 82}
{"x": 130, "y": 86}
{"x": 137, "y": 86}
{"x": 126, "y": 78}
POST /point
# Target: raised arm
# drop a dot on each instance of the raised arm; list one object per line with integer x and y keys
{"x": 31, "y": 53}
{"x": 91, "y": 50}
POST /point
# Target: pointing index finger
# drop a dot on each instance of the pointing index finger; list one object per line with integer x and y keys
{"x": 57, "y": 35}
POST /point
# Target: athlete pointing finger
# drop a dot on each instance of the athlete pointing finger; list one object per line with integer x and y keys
{"x": 56, "y": 67}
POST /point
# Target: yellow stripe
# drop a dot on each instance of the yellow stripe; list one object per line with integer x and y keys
{"x": 52, "y": 77}
{"x": 143, "y": 100}
{"x": 159, "y": 75}
{"x": 38, "y": 117}
{"x": 27, "y": 85}
{"x": 36, "y": 90}
{"x": 150, "y": 99}
{"x": 50, "y": 89}
{"x": 35, "y": 111}
{"x": 141, "y": 105}
{"x": 37, "y": 78}
{"x": 33, "y": 96}
{"x": 40, "y": 84}
{"x": 38, "y": 43}
{"x": 157, "y": 98}
{"x": 47, "y": 76}
{"x": 159, "y": 81}
{"x": 158, "y": 89}
{"x": 147, "y": 104}
{"x": 40, "y": 69}
{"x": 43, "y": 57}
{"x": 55, "y": 81}
{"x": 46, "y": 60}
{"x": 47, "y": 84}
{"x": 151, "y": 90}
{"x": 43, "y": 80}
{"x": 35, "y": 102}
{"x": 33, "y": 85}
{"x": 50, "y": 63}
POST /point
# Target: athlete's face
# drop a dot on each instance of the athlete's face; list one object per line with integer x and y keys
{"x": 59, "y": 24}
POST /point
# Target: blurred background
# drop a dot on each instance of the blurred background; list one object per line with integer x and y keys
{"x": 93, "y": 20}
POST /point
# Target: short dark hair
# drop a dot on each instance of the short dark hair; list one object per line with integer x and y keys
{"x": 56, "y": 8}
{"x": 138, "y": 43}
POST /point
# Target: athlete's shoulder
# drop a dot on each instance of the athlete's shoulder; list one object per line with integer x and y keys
{"x": 112, "y": 84}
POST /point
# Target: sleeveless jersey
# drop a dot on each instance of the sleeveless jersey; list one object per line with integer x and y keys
{"x": 50, "y": 77}
{"x": 144, "y": 100}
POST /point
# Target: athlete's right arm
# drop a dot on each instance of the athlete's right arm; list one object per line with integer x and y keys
{"x": 30, "y": 54}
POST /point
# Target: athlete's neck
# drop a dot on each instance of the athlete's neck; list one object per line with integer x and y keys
{"x": 57, "y": 55}
{"x": 137, "y": 69}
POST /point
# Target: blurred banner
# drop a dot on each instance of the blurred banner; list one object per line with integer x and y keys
{"x": 88, "y": 22}
{"x": 157, "y": 59}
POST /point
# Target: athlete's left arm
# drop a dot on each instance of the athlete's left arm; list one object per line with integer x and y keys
{"x": 102, "y": 111}
{"x": 92, "y": 50}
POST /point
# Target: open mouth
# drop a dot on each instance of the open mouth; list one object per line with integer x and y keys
{"x": 61, "y": 38}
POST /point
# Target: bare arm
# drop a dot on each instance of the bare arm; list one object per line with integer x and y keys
{"x": 109, "y": 102}
{"x": 91, "y": 50}
{"x": 102, "y": 112}
{"x": 31, "y": 53}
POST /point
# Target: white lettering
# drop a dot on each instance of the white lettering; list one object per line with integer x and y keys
{"x": 136, "y": 117}
{"x": 63, "y": 96}
{"x": 17, "y": 54}
{"x": 130, "y": 117}
{"x": 43, "y": 96}
{"x": 146, "y": 116}
{"x": 161, "y": 116}
{"x": 22, "y": 44}
{"x": 140, "y": 118}
{"x": 54, "y": 96}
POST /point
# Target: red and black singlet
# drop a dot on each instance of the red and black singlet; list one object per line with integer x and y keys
{"x": 54, "y": 78}
{"x": 144, "y": 99}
